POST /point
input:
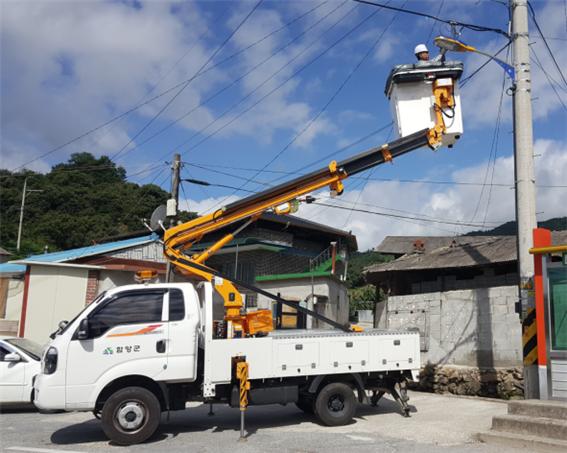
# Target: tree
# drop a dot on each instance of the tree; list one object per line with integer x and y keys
{"x": 82, "y": 201}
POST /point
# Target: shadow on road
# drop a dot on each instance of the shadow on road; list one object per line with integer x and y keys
{"x": 196, "y": 419}
{"x": 17, "y": 409}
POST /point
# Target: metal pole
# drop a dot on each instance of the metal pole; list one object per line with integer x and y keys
{"x": 175, "y": 179}
{"x": 524, "y": 170}
{"x": 22, "y": 214}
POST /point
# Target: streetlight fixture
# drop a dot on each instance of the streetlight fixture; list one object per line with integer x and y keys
{"x": 454, "y": 45}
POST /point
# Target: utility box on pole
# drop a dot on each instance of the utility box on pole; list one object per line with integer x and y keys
{"x": 524, "y": 171}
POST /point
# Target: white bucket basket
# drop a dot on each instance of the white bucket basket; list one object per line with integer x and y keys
{"x": 410, "y": 91}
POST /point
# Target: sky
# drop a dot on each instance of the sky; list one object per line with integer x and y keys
{"x": 287, "y": 92}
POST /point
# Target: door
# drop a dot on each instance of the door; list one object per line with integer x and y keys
{"x": 182, "y": 343}
{"x": 127, "y": 335}
{"x": 12, "y": 377}
{"x": 557, "y": 275}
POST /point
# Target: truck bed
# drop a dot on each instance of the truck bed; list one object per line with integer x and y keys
{"x": 292, "y": 353}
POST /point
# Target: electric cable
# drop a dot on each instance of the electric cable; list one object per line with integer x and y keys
{"x": 473, "y": 27}
{"x": 165, "y": 92}
{"x": 385, "y": 214}
{"x": 365, "y": 182}
{"x": 212, "y": 168}
{"x": 333, "y": 96}
{"x": 186, "y": 84}
{"x": 533, "y": 14}
{"x": 492, "y": 147}
{"x": 464, "y": 81}
{"x": 441, "y": 4}
{"x": 269, "y": 93}
{"x": 226, "y": 87}
{"x": 549, "y": 79}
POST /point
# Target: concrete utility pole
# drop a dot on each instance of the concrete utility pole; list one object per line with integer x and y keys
{"x": 173, "y": 202}
{"x": 524, "y": 170}
{"x": 22, "y": 214}
{"x": 23, "y": 205}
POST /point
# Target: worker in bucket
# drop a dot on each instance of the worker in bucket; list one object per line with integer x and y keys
{"x": 421, "y": 52}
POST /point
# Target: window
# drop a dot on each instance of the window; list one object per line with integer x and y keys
{"x": 130, "y": 308}
{"x": 176, "y": 305}
{"x": 3, "y": 352}
{"x": 251, "y": 300}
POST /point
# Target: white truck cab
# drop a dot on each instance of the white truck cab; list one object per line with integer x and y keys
{"x": 143, "y": 330}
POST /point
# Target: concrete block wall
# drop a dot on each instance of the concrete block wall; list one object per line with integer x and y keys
{"x": 474, "y": 327}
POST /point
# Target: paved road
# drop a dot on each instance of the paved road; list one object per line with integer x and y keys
{"x": 438, "y": 424}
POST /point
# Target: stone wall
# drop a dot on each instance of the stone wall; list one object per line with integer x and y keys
{"x": 475, "y": 327}
{"x": 506, "y": 383}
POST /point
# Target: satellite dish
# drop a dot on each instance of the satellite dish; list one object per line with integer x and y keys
{"x": 158, "y": 216}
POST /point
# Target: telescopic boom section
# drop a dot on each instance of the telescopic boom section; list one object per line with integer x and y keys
{"x": 180, "y": 238}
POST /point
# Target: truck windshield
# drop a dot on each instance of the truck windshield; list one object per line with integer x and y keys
{"x": 95, "y": 301}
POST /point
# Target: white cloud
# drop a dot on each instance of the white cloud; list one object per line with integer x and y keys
{"x": 481, "y": 95}
{"x": 206, "y": 205}
{"x": 447, "y": 203}
{"x": 67, "y": 66}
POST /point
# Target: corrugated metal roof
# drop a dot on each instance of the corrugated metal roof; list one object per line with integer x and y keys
{"x": 464, "y": 251}
{"x": 11, "y": 268}
{"x": 97, "y": 249}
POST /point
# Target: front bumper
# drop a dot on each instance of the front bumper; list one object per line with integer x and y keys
{"x": 48, "y": 397}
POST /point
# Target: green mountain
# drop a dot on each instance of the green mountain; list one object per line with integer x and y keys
{"x": 80, "y": 202}
{"x": 509, "y": 228}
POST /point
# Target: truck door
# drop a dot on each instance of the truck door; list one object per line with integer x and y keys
{"x": 127, "y": 335}
{"x": 182, "y": 344}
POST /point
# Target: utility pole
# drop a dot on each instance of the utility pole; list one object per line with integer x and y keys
{"x": 173, "y": 202}
{"x": 22, "y": 215}
{"x": 22, "y": 206}
{"x": 524, "y": 171}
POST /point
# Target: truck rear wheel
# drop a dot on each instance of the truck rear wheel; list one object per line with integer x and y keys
{"x": 131, "y": 415}
{"x": 335, "y": 404}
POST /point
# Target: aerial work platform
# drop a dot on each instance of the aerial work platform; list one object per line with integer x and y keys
{"x": 410, "y": 90}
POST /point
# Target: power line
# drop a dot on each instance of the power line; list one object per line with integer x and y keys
{"x": 549, "y": 79}
{"x": 231, "y": 84}
{"x": 295, "y": 73}
{"x": 477, "y": 70}
{"x": 494, "y": 144}
{"x": 163, "y": 93}
{"x": 424, "y": 218}
{"x": 365, "y": 182}
{"x": 186, "y": 84}
{"x": 331, "y": 99}
{"x": 546, "y": 43}
{"x": 397, "y": 216}
{"x": 211, "y": 168}
{"x": 441, "y": 4}
{"x": 473, "y": 27}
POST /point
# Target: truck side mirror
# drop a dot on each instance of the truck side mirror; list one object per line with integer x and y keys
{"x": 83, "y": 330}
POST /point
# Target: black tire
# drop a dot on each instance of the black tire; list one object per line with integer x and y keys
{"x": 335, "y": 404}
{"x": 134, "y": 406}
{"x": 306, "y": 405}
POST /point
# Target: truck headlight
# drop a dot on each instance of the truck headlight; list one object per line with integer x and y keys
{"x": 50, "y": 361}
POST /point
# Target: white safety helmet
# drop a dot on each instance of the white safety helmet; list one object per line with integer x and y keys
{"x": 420, "y": 48}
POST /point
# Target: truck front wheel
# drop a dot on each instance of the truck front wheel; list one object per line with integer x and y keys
{"x": 335, "y": 404}
{"x": 131, "y": 415}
